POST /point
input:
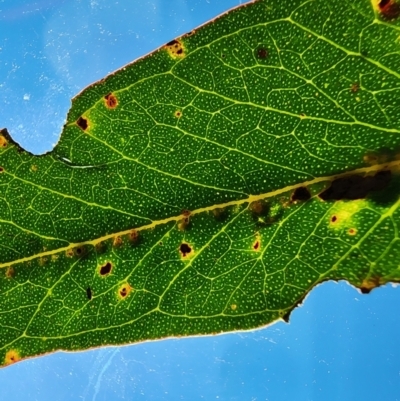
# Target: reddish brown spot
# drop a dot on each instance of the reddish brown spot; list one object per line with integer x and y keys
{"x": 3, "y": 141}
{"x": 106, "y": 269}
{"x": 111, "y": 101}
{"x": 333, "y": 219}
{"x": 352, "y": 231}
{"x": 1, "y": 169}
{"x": 355, "y": 87}
{"x": 256, "y": 245}
{"x": 134, "y": 237}
{"x": 185, "y": 249}
{"x": 389, "y": 9}
{"x": 124, "y": 290}
{"x": 258, "y": 207}
{"x": 117, "y": 241}
{"x": 82, "y": 123}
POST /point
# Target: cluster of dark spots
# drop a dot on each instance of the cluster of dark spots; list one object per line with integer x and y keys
{"x": 390, "y": 9}
{"x": 82, "y": 123}
{"x": 175, "y": 47}
{"x": 185, "y": 249}
{"x": 10, "y": 272}
{"x": 111, "y": 101}
{"x": 89, "y": 293}
{"x": 105, "y": 269}
{"x": 356, "y": 186}
{"x": 301, "y": 194}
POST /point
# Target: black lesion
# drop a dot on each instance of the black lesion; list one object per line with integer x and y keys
{"x": 301, "y": 194}
{"x": 89, "y": 293}
{"x": 356, "y": 186}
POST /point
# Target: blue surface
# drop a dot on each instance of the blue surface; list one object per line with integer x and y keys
{"x": 340, "y": 345}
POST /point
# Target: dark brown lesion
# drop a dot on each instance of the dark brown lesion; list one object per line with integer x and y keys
{"x": 82, "y": 123}
{"x": 185, "y": 249}
{"x": 301, "y": 194}
{"x": 105, "y": 269}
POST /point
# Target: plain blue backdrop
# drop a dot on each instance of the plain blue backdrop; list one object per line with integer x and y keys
{"x": 340, "y": 345}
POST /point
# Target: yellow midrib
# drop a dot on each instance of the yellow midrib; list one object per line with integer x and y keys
{"x": 393, "y": 166}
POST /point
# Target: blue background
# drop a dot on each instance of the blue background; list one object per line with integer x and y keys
{"x": 340, "y": 345}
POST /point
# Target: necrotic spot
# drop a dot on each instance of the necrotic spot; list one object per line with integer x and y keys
{"x": 89, "y": 293}
{"x": 185, "y": 249}
{"x": 82, "y": 123}
{"x": 106, "y": 269}
{"x": 111, "y": 101}
{"x": 301, "y": 194}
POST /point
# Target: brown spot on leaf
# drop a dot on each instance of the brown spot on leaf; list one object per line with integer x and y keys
{"x": 301, "y": 194}
{"x": 389, "y": 9}
{"x": 258, "y": 207}
{"x": 69, "y": 253}
{"x": 117, "y": 241}
{"x": 262, "y": 53}
{"x": 352, "y": 231}
{"x": 89, "y": 293}
{"x": 220, "y": 214}
{"x": 10, "y": 272}
{"x": 134, "y": 237}
{"x": 124, "y": 290}
{"x": 11, "y": 357}
{"x": 333, "y": 219}
{"x": 80, "y": 251}
{"x": 110, "y": 101}
{"x": 355, "y": 87}
{"x": 356, "y": 186}
{"x": 82, "y": 123}
{"x": 178, "y": 113}
{"x": 105, "y": 269}
{"x": 256, "y": 245}
{"x": 1, "y": 169}
{"x": 369, "y": 284}
{"x": 185, "y": 249}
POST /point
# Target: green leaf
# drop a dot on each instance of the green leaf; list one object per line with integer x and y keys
{"x": 210, "y": 185}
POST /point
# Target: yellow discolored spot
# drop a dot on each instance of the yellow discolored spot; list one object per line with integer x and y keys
{"x": 352, "y": 231}
{"x": 69, "y": 253}
{"x": 175, "y": 49}
{"x": 10, "y": 272}
{"x": 134, "y": 237}
{"x": 3, "y": 141}
{"x": 54, "y": 257}
{"x": 124, "y": 290}
{"x": 11, "y": 357}
{"x": 42, "y": 261}
{"x": 343, "y": 214}
{"x": 233, "y": 306}
{"x": 34, "y": 168}
{"x": 185, "y": 222}
{"x": 186, "y": 250}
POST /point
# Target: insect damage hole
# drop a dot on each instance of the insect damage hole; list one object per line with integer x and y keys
{"x": 185, "y": 249}
{"x": 110, "y": 101}
{"x": 105, "y": 269}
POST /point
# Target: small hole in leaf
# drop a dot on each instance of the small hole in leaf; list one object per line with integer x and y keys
{"x": 82, "y": 123}
{"x": 106, "y": 269}
{"x": 185, "y": 249}
{"x": 301, "y": 194}
{"x": 89, "y": 293}
{"x": 111, "y": 101}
